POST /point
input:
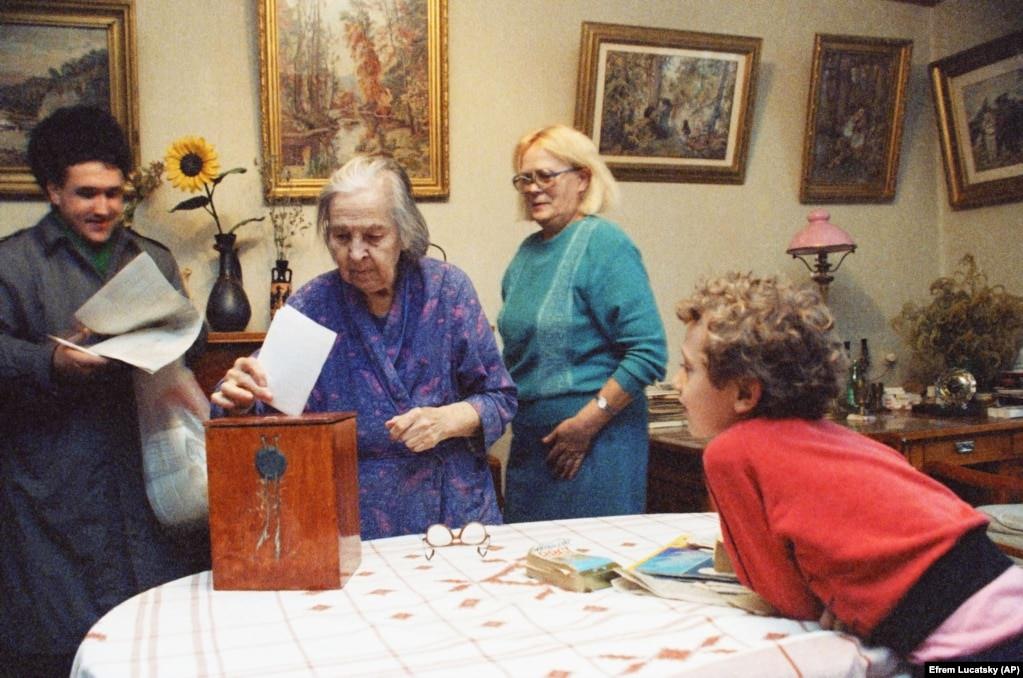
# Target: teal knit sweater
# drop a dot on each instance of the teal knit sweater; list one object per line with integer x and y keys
{"x": 578, "y": 309}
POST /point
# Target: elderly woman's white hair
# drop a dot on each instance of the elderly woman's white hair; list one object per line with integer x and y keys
{"x": 371, "y": 172}
{"x": 576, "y": 149}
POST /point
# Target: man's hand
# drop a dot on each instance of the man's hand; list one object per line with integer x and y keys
{"x": 77, "y": 366}
{"x": 244, "y": 384}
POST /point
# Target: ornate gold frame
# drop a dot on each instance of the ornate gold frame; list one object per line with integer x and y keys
{"x": 288, "y": 181}
{"x": 598, "y": 38}
{"x": 819, "y": 147}
{"x": 117, "y": 18}
{"x": 949, "y": 77}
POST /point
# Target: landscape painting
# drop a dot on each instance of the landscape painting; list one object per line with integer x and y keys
{"x": 41, "y": 69}
{"x": 665, "y": 105}
{"x": 342, "y": 77}
{"x": 53, "y": 55}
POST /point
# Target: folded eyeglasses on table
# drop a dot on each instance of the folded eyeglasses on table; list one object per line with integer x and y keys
{"x": 471, "y": 534}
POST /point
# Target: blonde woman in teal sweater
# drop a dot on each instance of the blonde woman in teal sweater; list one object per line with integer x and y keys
{"x": 582, "y": 338}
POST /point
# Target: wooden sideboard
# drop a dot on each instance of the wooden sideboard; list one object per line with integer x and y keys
{"x": 222, "y": 349}
{"x": 675, "y": 481}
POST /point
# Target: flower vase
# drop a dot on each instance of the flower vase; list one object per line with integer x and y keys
{"x": 228, "y": 308}
{"x": 280, "y": 285}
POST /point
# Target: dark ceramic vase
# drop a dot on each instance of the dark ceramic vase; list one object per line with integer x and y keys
{"x": 280, "y": 285}
{"x": 228, "y": 308}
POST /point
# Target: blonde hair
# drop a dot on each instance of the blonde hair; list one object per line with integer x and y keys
{"x": 773, "y": 331}
{"x": 576, "y": 149}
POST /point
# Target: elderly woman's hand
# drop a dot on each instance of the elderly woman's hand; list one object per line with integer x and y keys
{"x": 244, "y": 384}
{"x": 570, "y": 441}
{"x": 422, "y": 428}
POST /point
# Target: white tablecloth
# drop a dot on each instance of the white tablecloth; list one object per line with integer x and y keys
{"x": 460, "y": 614}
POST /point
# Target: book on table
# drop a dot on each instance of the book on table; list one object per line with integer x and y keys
{"x": 556, "y": 563}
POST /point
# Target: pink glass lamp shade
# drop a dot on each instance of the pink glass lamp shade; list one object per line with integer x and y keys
{"x": 820, "y": 238}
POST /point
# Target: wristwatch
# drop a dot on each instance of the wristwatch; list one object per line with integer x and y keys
{"x": 604, "y": 405}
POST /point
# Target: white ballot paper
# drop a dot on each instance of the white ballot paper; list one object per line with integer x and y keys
{"x": 151, "y": 323}
{"x": 292, "y": 356}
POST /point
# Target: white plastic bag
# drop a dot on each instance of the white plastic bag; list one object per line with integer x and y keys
{"x": 172, "y": 409}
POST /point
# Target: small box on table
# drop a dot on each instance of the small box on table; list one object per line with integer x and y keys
{"x": 284, "y": 501}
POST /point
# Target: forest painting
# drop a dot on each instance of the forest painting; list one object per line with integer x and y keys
{"x": 342, "y": 77}
{"x": 52, "y": 56}
{"x": 854, "y": 120}
{"x": 665, "y": 105}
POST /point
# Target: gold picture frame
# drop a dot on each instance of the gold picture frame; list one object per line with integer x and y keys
{"x": 317, "y": 111}
{"x": 854, "y": 119}
{"x": 60, "y": 53}
{"x": 979, "y": 111}
{"x": 667, "y": 105}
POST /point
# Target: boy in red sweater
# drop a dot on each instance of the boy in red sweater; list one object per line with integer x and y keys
{"x": 820, "y": 521}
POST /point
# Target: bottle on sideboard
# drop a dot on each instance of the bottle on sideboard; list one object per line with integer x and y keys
{"x": 848, "y": 399}
{"x": 865, "y": 358}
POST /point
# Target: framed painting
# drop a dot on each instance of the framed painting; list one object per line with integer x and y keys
{"x": 667, "y": 105}
{"x": 61, "y": 53}
{"x": 342, "y": 77}
{"x": 854, "y": 119}
{"x": 978, "y": 96}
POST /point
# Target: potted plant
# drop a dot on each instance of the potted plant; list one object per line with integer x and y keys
{"x": 969, "y": 324}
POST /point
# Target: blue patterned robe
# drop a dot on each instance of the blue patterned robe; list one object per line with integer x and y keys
{"x": 433, "y": 348}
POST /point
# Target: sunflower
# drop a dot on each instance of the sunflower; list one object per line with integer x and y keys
{"x": 191, "y": 163}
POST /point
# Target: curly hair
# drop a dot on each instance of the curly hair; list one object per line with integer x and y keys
{"x": 73, "y": 135}
{"x": 770, "y": 330}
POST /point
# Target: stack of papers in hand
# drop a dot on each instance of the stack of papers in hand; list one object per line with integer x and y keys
{"x": 556, "y": 563}
{"x": 681, "y": 570}
{"x": 142, "y": 319}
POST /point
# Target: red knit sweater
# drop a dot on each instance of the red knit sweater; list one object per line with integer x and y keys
{"x": 816, "y": 515}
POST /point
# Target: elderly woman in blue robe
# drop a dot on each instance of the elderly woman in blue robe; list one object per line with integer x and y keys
{"x": 415, "y": 358}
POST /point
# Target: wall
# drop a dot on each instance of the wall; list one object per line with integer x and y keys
{"x": 513, "y": 68}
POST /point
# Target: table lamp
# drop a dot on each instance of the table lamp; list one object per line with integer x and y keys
{"x": 820, "y": 238}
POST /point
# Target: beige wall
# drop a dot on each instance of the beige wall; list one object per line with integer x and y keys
{"x": 513, "y": 68}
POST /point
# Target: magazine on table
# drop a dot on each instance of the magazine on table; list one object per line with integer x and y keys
{"x": 682, "y": 559}
{"x": 687, "y": 571}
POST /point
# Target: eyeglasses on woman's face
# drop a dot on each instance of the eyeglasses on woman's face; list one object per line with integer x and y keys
{"x": 542, "y": 178}
{"x": 472, "y": 534}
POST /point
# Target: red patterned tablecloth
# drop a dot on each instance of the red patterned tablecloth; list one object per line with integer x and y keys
{"x": 460, "y": 614}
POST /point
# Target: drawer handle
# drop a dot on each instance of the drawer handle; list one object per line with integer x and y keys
{"x": 964, "y": 446}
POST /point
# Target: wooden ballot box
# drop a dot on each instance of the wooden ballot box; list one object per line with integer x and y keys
{"x": 284, "y": 501}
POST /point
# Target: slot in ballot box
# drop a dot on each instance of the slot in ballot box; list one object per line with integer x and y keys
{"x": 284, "y": 501}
